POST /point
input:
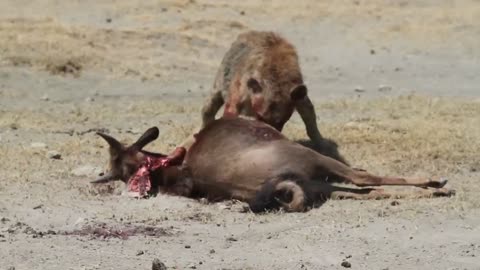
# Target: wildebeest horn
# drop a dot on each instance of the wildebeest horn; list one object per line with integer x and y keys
{"x": 104, "y": 179}
{"x": 110, "y": 140}
{"x": 149, "y": 136}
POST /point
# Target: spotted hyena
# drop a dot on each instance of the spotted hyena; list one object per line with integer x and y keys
{"x": 260, "y": 77}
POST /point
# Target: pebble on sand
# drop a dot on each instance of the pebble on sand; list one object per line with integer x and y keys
{"x": 384, "y": 88}
{"x": 359, "y": 89}
{"x": 86, "y": 170}
{"x": 158, "y": 265}
{"x": 38, "y": 145}
{"x": 54, "y": 155}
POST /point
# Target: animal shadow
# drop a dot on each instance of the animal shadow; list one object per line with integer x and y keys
{"x": 326, "y": 147}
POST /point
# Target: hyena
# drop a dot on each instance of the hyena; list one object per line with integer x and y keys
{"x": 260, "y": 77}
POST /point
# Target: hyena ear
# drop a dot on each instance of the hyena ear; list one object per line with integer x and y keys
{"x": 115, "y": 146}
{"x": 149, "y": 136}
{"x": 254, "y": 86}
{"x": 298, "y": 92}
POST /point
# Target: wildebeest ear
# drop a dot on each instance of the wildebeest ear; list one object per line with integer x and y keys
{"x": 298, "y": 92}
{"x": 254, "y": 86}
{"x": 115, "y": 146}
{"x": 149, "y": 136}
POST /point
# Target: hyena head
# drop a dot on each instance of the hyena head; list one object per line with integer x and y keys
{"x": 125, "y": 160}
{"x": 273, "y": 101}
{"x": 275, "y": 82}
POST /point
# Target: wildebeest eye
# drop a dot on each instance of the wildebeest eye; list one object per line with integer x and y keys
{"x": 254, "y": 86}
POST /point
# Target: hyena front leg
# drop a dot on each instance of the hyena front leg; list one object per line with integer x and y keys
{"x": 211, "y": 107}
{"x": 306, "y": 110}
{"x": 209, "y": 110}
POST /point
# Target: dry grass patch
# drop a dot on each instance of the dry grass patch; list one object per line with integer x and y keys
{"x": 404, "y": 134}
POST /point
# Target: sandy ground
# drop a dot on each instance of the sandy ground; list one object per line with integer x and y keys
{"x": 396, "y": 84}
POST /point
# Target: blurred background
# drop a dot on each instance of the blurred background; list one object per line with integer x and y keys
{"x": 430, "y": 46}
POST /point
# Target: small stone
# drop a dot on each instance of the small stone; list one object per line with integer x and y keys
{"x": 108, "y": 20}
{"x": 384, "y": 88}
{"x": 346, "y": 264}
{"x": 212, "y": 251}
{"x": 89, "y": 99}
{"x": 38, "y": 145}
{"x": 4, "y": 219}
{"x": 359, "y": 89}
{"x": 54, "y": 155}
{"x": 158, "y": 265}
{"x": 242, "y": 12}
{"x": 86, "y": 170}
{"x": 11, "y": 268}
{"x": 232, "y": 239}
{"x": 187, "y": 246}
{"x": 140, "y": 252}
{"x": 372, "y": 52}
{"x": 45, "y": 98}
{"x": 394, "y": 203}
{"x": 192, "y": 266}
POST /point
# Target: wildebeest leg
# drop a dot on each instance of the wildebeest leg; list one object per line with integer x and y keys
{"x": 307, "y": 112}
{"x": 378, "y": 194}
{"x": 322, "y": 191}
{"x": 363, "y": 178}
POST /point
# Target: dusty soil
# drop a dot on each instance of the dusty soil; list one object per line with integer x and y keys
{"x": 395, "y": 84}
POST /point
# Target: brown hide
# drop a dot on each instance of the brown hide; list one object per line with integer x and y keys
{"x": 234, "y": 157}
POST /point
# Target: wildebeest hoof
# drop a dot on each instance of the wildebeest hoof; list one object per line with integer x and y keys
{"x": 437, "y": 184}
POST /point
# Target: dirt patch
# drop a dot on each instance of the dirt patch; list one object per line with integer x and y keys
{"x": 101, "y": 231}
{"x": 69, "y": 67}
{"x": 104, "y": 231}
